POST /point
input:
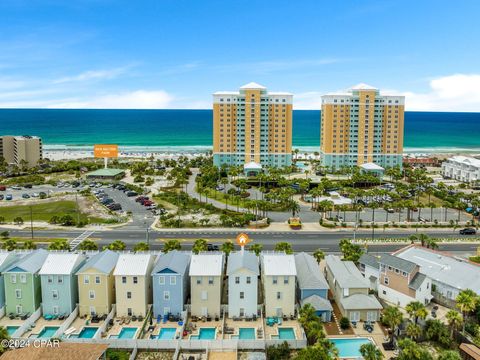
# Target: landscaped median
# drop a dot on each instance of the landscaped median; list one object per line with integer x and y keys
{"x": 387, "y": 240}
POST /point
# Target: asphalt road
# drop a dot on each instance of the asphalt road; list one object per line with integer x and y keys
{"x": 301, "y": 241}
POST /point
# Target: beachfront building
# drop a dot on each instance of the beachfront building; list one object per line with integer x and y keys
{"x": 278, "y": 279}
{"x": 252, "y": 125}
{"x": 59, "y": 283}
{"x": 396, "y": 280}
{"x": 7, "y": 258}
{"x": 351, "y": 290}
{"x": 449, "y": 274}
{"x": 312, "y": 288}
{"x": 242, "y": 272}
{"x": 23, "y": 293}
{"x": 361, "y": 126}
{"x": 96, "y": 284}
{"x": 133, "y": 284}
{"x": 206, "y": 275}
{"x": 20, "y": 150}
{"x": 170, "y": 283}
{"x": 462, "y": 168}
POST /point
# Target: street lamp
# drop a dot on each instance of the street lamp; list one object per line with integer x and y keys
{"x": 147, "y": 235}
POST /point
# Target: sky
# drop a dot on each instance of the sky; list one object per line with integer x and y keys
{"x": 176, "y": 53}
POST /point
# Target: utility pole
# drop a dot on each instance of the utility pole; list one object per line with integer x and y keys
{"x": 78, "y": 211}
{"x": 31, "y": 221}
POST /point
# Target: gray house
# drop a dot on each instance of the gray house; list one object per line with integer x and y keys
{"x": 312, "y": 288}
{"x": 59, "y": 283}
{"x": 170, "y": 283}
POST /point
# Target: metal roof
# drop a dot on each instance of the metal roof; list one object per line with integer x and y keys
{"x": 363, "y": 86}
{"x": 103, "y": 262}
{"x": 253, "y": 85}
{"x": 6, "y": 259}
{"x": 369, "y": 260}
{"x": 242, "y": 260}
{"x": 206, "y": 265}
{"x": 360, "y": 302}
{"x": 346, "y": 273}
{"x": 106, "y": 172}
{"x": 176, "y": 261}
{"x": 318, "y": 303}
{"x": 389, "y": 260}
{"x": 61, "y": 263}
{"x": 417, "y": 281}
{"x": 309, "y": 275}
{"x": 371, "y": 166}
{"x": 32, "y": 262}
{"x": 278, "y": 264}
{"x": 452, "y": 271}
{"x": 132, "y": 264}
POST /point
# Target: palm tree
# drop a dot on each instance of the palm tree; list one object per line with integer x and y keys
{"x": 141, "y": 246}
{"x": 171, "y": 245}
{"x": 284, "y": 246}
{"x": 117, "y": 245}
{"x": 319, "y": 255}
{"x": 199, "y": 245}
{"x": 227, "y": 247}
{"x": 393, "y": 318}
{"x": 256, "y": 248}
{"x": 88, "y": 244}
{"x": 455, "y": 319}
{"x": 29, "y": 245}
{"x": 413, "y": 331}
{"x": 9, "y": 244}
{"x": 416, "y": 310}
{"x": 370, "y": 352}
{"x": 59, "y": 244}
{"x": 466, "y": 302}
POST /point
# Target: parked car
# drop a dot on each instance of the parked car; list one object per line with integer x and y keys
{"x": 8, "y": 197}
{"x": 42, "y": 194}
{"x": 3, "y": 188}
{"x": 468, "y": 231}
{"x": 25, "y": 196}
{"x": 115, "y": 206}
{"x": 2, "y": 197}
{"x": 131, "y": 193}
{"x": 16, "y": 187}
{"x": 390, "y": 210}
{"x": 212, "y": 247}
{"x": 27, "y": 186}
{"x": 35, "y": 195}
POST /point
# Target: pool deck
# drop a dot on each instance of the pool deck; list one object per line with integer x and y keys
{"x": 40, "y": 324}
{"x": 377, "y": 335}
{"x": 80, "y": 323}
{"x": 194, "y": 327}
{"x": 273, "y": 330}
{"x": 118, "y": 326}
{"x": 236, "y": 325}
{"x": 159, "y": 326}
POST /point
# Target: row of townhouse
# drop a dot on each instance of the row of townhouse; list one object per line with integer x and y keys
{"x": 58, "y": 281}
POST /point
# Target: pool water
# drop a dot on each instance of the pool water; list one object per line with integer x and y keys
{"x": 166, "y": 334}
{"x": 204, "y": 334}
{"x": 48, "y": 331}
{"x": 125, "y": 333}
{"x": 286, "y": 333}
{"x": 349, "y": 348}
{"x": 246, "y": 334}
{"x": 88, "y": 332}
{"x": 11, "y": 330}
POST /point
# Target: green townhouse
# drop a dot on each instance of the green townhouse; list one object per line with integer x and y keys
{"x": 23, "y": 294}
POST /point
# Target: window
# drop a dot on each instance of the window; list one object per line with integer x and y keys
{"x": 161, "y": 280}
{"x": 249, "y": 280}
{"x": 237, "y": 280}
{"x": 285, "y": 280}
{"x": 166, "y": 295}
{"x": 385, "y": 280}
{"x": 18, "y": 293}
{"x": 23, "y": 278}
{"x": 210, "y": 280}
{"x": 55, "y": 310}
{"x": 97, "y": 279}
{"x": 279, "y": 295}
{"x": 173, "y": 280}
{"x": 86, "y": 279}
{"x": 19, "y": 309}
{"x": 129, "y": 311}
{"x": 91, "y": 294}
{"x": 124, "y": 279}
{"x": 13, "y": 279}
{"x": 49, "y": 279}
{"x": 199, "y": 281}
{"x": 274, "y": 280}
{"x": 135, "y": 280}
{"x": 242, "y": 295}
{"x": 204, "y": 295}
{"x": 129, "y": 294}
{"x": 60, "y": 279}
{"x": 55, "y": 294}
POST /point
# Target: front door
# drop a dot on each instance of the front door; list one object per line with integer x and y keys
{"x": 355, "y": 316}
{"x": 204, "y": 311}
{"x": 242, "y": 312}
{"x": 371, "y": 316}
{"x": 279, "y": 312}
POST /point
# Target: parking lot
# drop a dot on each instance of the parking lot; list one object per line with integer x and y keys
{"x": 34, "y": 192}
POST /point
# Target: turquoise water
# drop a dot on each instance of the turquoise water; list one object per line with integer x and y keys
{"x": 285, "y": 333}
{"x": 125, "y": 333}
{"x": 48, "y": 331}
{"x": 11, "y": 330}
{"x": 349, "y": 348}
{"x": 160, "y": 129}
{"x": 88, "y": 332}
{"x": 204, "y": 334}
{"x": 166, "y": 334}
{"x": 246, "y": 334}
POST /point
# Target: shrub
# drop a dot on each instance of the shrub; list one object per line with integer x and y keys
{"x": 18, "y": 221}
{"x": 344, "y": 323}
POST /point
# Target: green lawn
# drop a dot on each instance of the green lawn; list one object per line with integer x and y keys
{"x": 45, "y": 211}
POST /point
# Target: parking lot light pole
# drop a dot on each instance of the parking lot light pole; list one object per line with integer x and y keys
{"x": 31, "y": 221}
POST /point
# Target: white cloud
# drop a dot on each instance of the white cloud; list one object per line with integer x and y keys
{"x": 93, "y": 75}
{"x": 311, "y": 100}
{"x": 139, "y": 99}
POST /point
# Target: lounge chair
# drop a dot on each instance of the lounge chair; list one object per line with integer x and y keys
{"x": 69, "y": 331}
{"x": 159, "y": 318}
{"x": 127, "y": 320}
{"x": 140, "y": 318}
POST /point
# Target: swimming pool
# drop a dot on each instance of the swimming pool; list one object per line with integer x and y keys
{"x": 204, "y": 334}
{"x": 125, "y": 333}
{"x": 285, "y": 333}
{"x": 166, "y": 334}
{"x": 246, "y": 334}
{"x": 349, "y": 348}
{"x": 48, "y": 331}
{"x": 11, "y": 330}
{"x": 88, "y": 332}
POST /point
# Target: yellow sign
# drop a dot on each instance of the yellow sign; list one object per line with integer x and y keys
{"x": 243, "y": 239}
{"x": 105, "y": 151}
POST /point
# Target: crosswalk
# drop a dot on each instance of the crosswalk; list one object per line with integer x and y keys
{"x": 78, "y": 240}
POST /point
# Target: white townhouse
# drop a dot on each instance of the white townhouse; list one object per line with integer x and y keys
{"x": 278, "y": 277}
{"x": 462, "y": 168}
{"x": 242, "y": 271}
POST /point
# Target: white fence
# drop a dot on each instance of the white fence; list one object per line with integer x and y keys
{"x": 29, "y": 323}
{"x": 103, "y": 327}
{"x": 66, "y": 324}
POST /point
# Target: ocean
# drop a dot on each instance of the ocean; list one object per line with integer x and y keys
{"x": 191, "y": 130}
